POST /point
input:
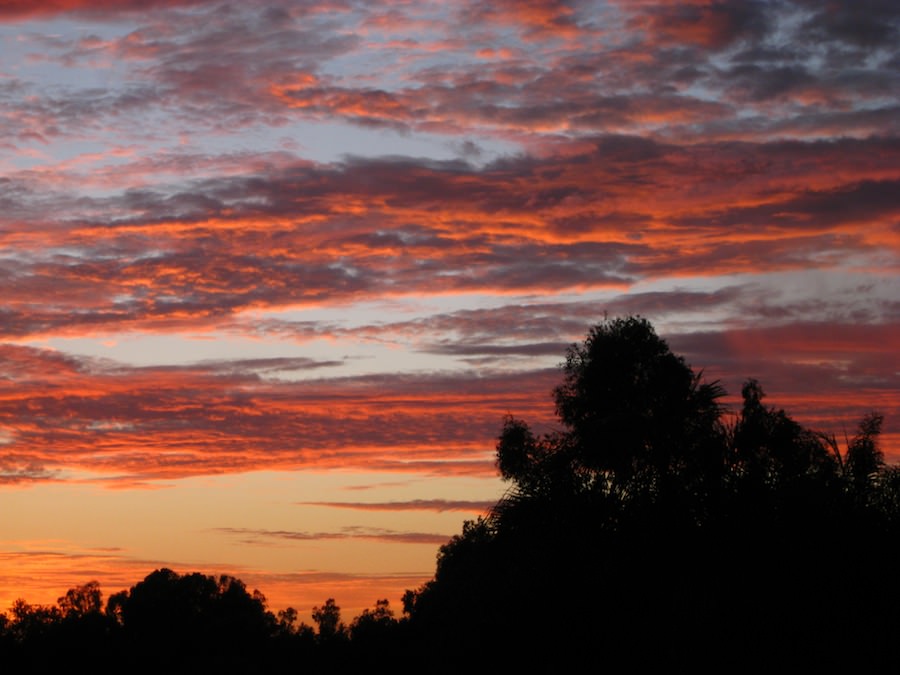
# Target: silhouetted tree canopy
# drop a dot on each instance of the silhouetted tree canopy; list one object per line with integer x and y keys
{"x": 632, "y": 408}
{"x": 656, "y": 530}
{"x": 82, "y": 600}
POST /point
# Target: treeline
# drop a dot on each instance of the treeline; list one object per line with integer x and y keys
{"x": 654, "y": 531}
{"x": 191, "y": 623}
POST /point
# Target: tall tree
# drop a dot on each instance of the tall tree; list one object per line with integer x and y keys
{"x": 648, "y": 531}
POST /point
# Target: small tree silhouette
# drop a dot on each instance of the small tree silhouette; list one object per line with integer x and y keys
{"x": 864, "y": 460}
{"x": 82, "y": 600}
{"x": 328, "y": 619}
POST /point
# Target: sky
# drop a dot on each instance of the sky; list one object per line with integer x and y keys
{"x": 274, "y": 272}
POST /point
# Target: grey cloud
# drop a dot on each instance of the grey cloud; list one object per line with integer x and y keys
{"x": 262, "y": 536}
{"x": 439, "y": 505}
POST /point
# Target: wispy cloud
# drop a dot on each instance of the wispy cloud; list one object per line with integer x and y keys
{"x": 265, "y": 537}
{"x": 439, "y": 505}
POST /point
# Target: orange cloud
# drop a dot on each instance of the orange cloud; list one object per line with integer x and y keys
{"x": 597, "y": 214}
{"x": 138, "y": 424}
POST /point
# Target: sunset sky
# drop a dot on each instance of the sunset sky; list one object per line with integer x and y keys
{"x": 273, "y": 272}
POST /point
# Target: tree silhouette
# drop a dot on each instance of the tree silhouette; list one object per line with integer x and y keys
{"x": 864, "y": 459}
{"x": 633, "y": 409}
{"x": 667, "y": 537}
{"x": 378, "y": 638}
{"x": 373, "y": 621}
{"x": 81, "y": 600}
{"x": 181, "y": 623}
{"x": 328, "y": 619}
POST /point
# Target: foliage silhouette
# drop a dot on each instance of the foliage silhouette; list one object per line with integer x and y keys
{"x": 328, "y": 619}
{"x": 373, "y": 623}
{"x": 82, "y": 600}
{"x": 652, "y": 531}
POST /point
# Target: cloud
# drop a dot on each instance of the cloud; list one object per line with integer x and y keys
{"x": 594, "y": 214}
{"x": 675, "y": 159}
{"x": 164, "y": 422}
{"x": 709, "y": 25}
{"x": 264, "y": 537}
{"x": 22, "y": 9}
{"x": 137, "y": 424}
{"x": 13, "y": 474}
{"x": 674, "y": 69}
{"x": 439, "y": 505}
{"x": 827, "y": 375}
{"x": 869, "y": 23}
{"x": 540, "y": 19}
